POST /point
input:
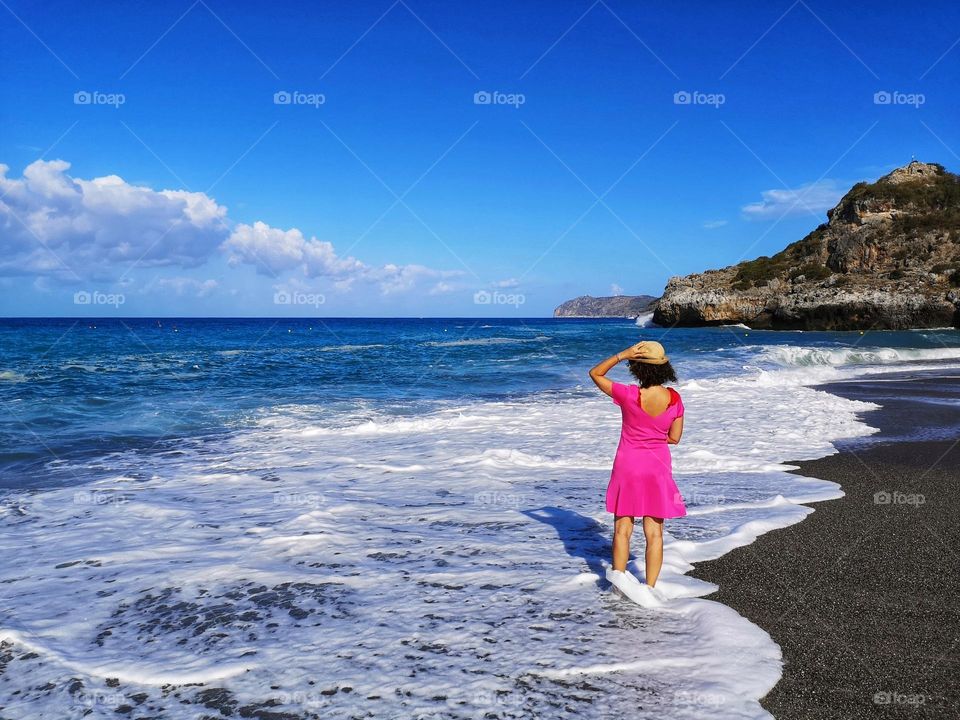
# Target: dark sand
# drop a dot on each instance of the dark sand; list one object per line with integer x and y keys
{"x": 863, "y": 596}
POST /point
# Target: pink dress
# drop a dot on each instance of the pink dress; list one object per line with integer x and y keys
{"x": 641, "y": 482}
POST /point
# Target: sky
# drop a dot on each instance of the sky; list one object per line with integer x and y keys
{"x": 425, "y": 158}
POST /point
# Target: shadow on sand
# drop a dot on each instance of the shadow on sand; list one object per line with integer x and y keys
{"x": 582, "y": 537}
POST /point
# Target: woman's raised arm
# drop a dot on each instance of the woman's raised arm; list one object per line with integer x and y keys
{"x": 599, "y": 371}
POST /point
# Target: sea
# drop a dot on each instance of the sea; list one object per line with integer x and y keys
{"x": 392, "y": 518}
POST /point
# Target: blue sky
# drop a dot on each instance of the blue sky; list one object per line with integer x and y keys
{"x": 388, "y": 187}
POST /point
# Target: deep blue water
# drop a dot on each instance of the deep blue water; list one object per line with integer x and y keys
{"x": 76, "y": 390}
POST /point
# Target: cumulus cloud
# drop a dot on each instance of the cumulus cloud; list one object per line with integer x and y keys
{"x": 398, "y": 278}
{"x": 817, "y": 197}
{"x": 272, "y": 251}
{"x": 442, "y": 288}
{"x": 53, "y": 224}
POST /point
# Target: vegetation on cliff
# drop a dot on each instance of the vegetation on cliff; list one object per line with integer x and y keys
{"x": 888, "y": 256}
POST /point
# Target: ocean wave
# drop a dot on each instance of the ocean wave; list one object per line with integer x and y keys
{"x": 350, "y": 348}
{"x": 805, "y": 356}
{"x": 485, "y": 341}
{"x": 645, "y": 320}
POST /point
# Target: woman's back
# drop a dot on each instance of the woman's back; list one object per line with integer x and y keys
{"x": 654, "y": 400}
{"x": 647, "y": 414}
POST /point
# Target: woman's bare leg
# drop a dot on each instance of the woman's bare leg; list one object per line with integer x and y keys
{"x": 622, "y": 531}
{"x": 653, "y": 532}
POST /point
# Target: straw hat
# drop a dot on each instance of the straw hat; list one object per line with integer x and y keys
{"x": 651, "y": 353}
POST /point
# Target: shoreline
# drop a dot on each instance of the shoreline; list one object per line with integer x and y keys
{"x": 861, "y": 595}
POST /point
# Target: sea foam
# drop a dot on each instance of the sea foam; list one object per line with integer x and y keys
{"x": 447, "y": 564}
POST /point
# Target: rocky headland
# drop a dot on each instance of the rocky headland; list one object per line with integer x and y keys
{"x": 888, "y": 257}
{"x": 587, "y": 306}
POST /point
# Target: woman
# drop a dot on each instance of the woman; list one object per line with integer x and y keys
{"x": 641, "y": 483}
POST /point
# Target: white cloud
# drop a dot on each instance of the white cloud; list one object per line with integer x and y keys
{"x": 507, "y": 283}
{"x": 714, "y": 224}
{"x": 442, "y": 288}
{"x": 817, "y": 197}
{"x": 273, "y": 251}
{"x": 53, "y": 224}
{"x": 616, "y": 289}
{"x": 397, "y": 278}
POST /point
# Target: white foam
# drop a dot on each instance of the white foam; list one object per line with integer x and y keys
{"x": 351, "y": 348}
{"x": 485, "y": 341}
{"x": 853, "y": 355}
{"x": 454, "y": 554}
{"x": 645, "y": 320}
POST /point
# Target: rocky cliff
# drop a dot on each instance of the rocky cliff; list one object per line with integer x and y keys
{"x": 616, "y": 306}
{"x": 887, "y": 258}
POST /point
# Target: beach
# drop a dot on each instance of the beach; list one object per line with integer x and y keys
{"x": 861, "y": 595}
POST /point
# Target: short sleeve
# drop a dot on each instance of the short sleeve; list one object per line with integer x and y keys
{"x": 679, "y": 402}
{"x": 618, "y": 393}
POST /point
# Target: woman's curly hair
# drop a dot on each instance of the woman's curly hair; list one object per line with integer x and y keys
{"x": 648, "y": 374}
